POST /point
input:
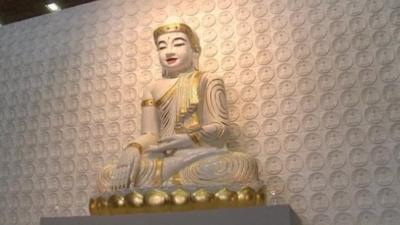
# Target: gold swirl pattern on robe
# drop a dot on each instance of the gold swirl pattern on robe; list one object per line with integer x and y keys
{"x": 222, "y": 169}
{"x": 214, "y": 111}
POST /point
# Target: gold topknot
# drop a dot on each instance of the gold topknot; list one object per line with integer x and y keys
{"x": 179, "y": 27}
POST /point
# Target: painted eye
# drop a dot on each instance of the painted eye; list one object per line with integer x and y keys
{"x": 162, "y": 47}
{"x": 179, "y": 44}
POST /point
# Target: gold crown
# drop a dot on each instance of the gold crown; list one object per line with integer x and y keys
{"x": 179, "y": 27}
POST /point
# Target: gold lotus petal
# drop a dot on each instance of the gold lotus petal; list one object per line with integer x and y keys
{"x": 101, "y": 203}
{"x": 93, "y": 206}
{"x": 261, "y": 197}
{"x": 201, "y": 196}
{"x": 246, "y": 194}
{"x": 102, "y": 206}
{"x": 135, "y": 199}
{"x": 226, "y": 195}
{"x": 156, "y": 198}
{"x": 117, "y": 201}
{"x": 180, "y": 197}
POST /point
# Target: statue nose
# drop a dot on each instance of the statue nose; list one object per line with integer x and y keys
{"x": 169, "y": 54}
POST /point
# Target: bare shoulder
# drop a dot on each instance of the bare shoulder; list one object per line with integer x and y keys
{"x": 147, "y": 91}
{"x": 161, "y": 86}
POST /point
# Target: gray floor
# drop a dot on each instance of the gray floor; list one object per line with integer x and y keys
{"x": 276, "y": 215}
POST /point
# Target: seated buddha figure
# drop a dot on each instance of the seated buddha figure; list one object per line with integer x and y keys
{"x": 184, "y": 126}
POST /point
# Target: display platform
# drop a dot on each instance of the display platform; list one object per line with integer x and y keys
{"x": 272, "y": 215}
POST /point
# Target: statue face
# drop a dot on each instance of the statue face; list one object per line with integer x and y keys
{"x": 175, "y": 52}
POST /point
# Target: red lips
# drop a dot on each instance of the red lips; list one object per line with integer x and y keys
{"x": 171, "y": 60}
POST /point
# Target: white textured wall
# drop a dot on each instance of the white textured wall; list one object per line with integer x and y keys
{"x": 313, "y": 86}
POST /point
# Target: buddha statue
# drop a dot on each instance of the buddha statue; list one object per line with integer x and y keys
{"x": 184, "y": 127}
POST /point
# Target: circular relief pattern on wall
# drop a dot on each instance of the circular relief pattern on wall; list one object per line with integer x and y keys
{"x": 377, "y": 134}
{"x": 224, "y": 4}
{"x": 367, "y": 218}
{"x": 263, "y": 41}
{"x": 317, "y": 181}
{"x": 234, "y": 131}
{"x": 355, "y": 136}
{"x": 246, "y": 60}
{"x": 234, "y": 113}
{"x": 310, "y": 122}
{"x": 284, "y": 71}
{"x": 242, "y": 13}
{"x": 355, "y": 8}
{"x": 276, "y": 184}
{"x": 384, "y": 176}
{"x": 364, "y": 199}
{"x": 211, "y": 65}
{"x": 308, "y": 103}
{"x": 357, "y": 24}
{"x": 250, "y": 111}
{"x": 209, "y": 50}
{"x": 243, "y": 28}
{"x": 319, "y": 202}
{"x": 244, "y": 44}
{"x": 226, "y": 32}
{"x": 387, "y": 197}
{"x": 251, "y": 129}
{"x": 229, "y": 79}
{"x": 315, "y": 161}
{"x": 389, "y": 216}
{"x": 287, "y": 88}
{"x": 227, "y": 47}
{"x": 296, "y": 183}
{"x": 272, "y": 145}
{"x": 361, "y": 178}
{"x": 273, "y": 165}
{"x": 299, "y": 34}
{"x": 318, "y": 32}
{"x": 292, "y": 143}
{"x": 276, "y": 7}
{"x": 303, "y": 68}
{"x": 336, "y": 159}
{"x": 260, "y": 9}
{"x": 261, "y": 25}
{"x": 294, "y": 163}
{"x": 253, "y": 147}
{"x": 290, "y": 124}
{"x": 288, "y": 106}
{"x": 225, "y": 17}
{"x": 247, "y": 76}
{"x": 208, "y": 20}
{"x": 232, "y": 95}
{"x": 341, "y": 200}
{"x": 358, "y": 157}
{"x": 269, "y": 109}
{"x": 248, "y": 93}
{"x": 389, "y": 73}
{"x": 338, "y": 180}
{"x": 270, "y": 127}
{"x": 228, "y": 63}
{"x": 298, "y": 202}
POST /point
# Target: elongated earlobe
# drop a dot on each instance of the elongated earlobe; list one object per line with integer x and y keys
{"x": 196, "y": 59}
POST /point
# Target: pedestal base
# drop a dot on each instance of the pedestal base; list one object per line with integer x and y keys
{"x": 275, "y": 215}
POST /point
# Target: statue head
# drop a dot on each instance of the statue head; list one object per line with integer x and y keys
{"x": 178, "y": 48}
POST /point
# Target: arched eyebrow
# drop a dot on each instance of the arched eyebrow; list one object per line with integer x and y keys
{"x": 179, "y": 38}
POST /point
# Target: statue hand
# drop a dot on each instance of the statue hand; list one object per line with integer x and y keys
{"x": 172, "y": 143}
{"x": 122, "y": 172}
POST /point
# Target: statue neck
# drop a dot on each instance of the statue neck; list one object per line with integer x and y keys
{"x": 179, "y": 74}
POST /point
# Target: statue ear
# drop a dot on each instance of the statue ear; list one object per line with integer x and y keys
{"x": 196, "y": 60}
